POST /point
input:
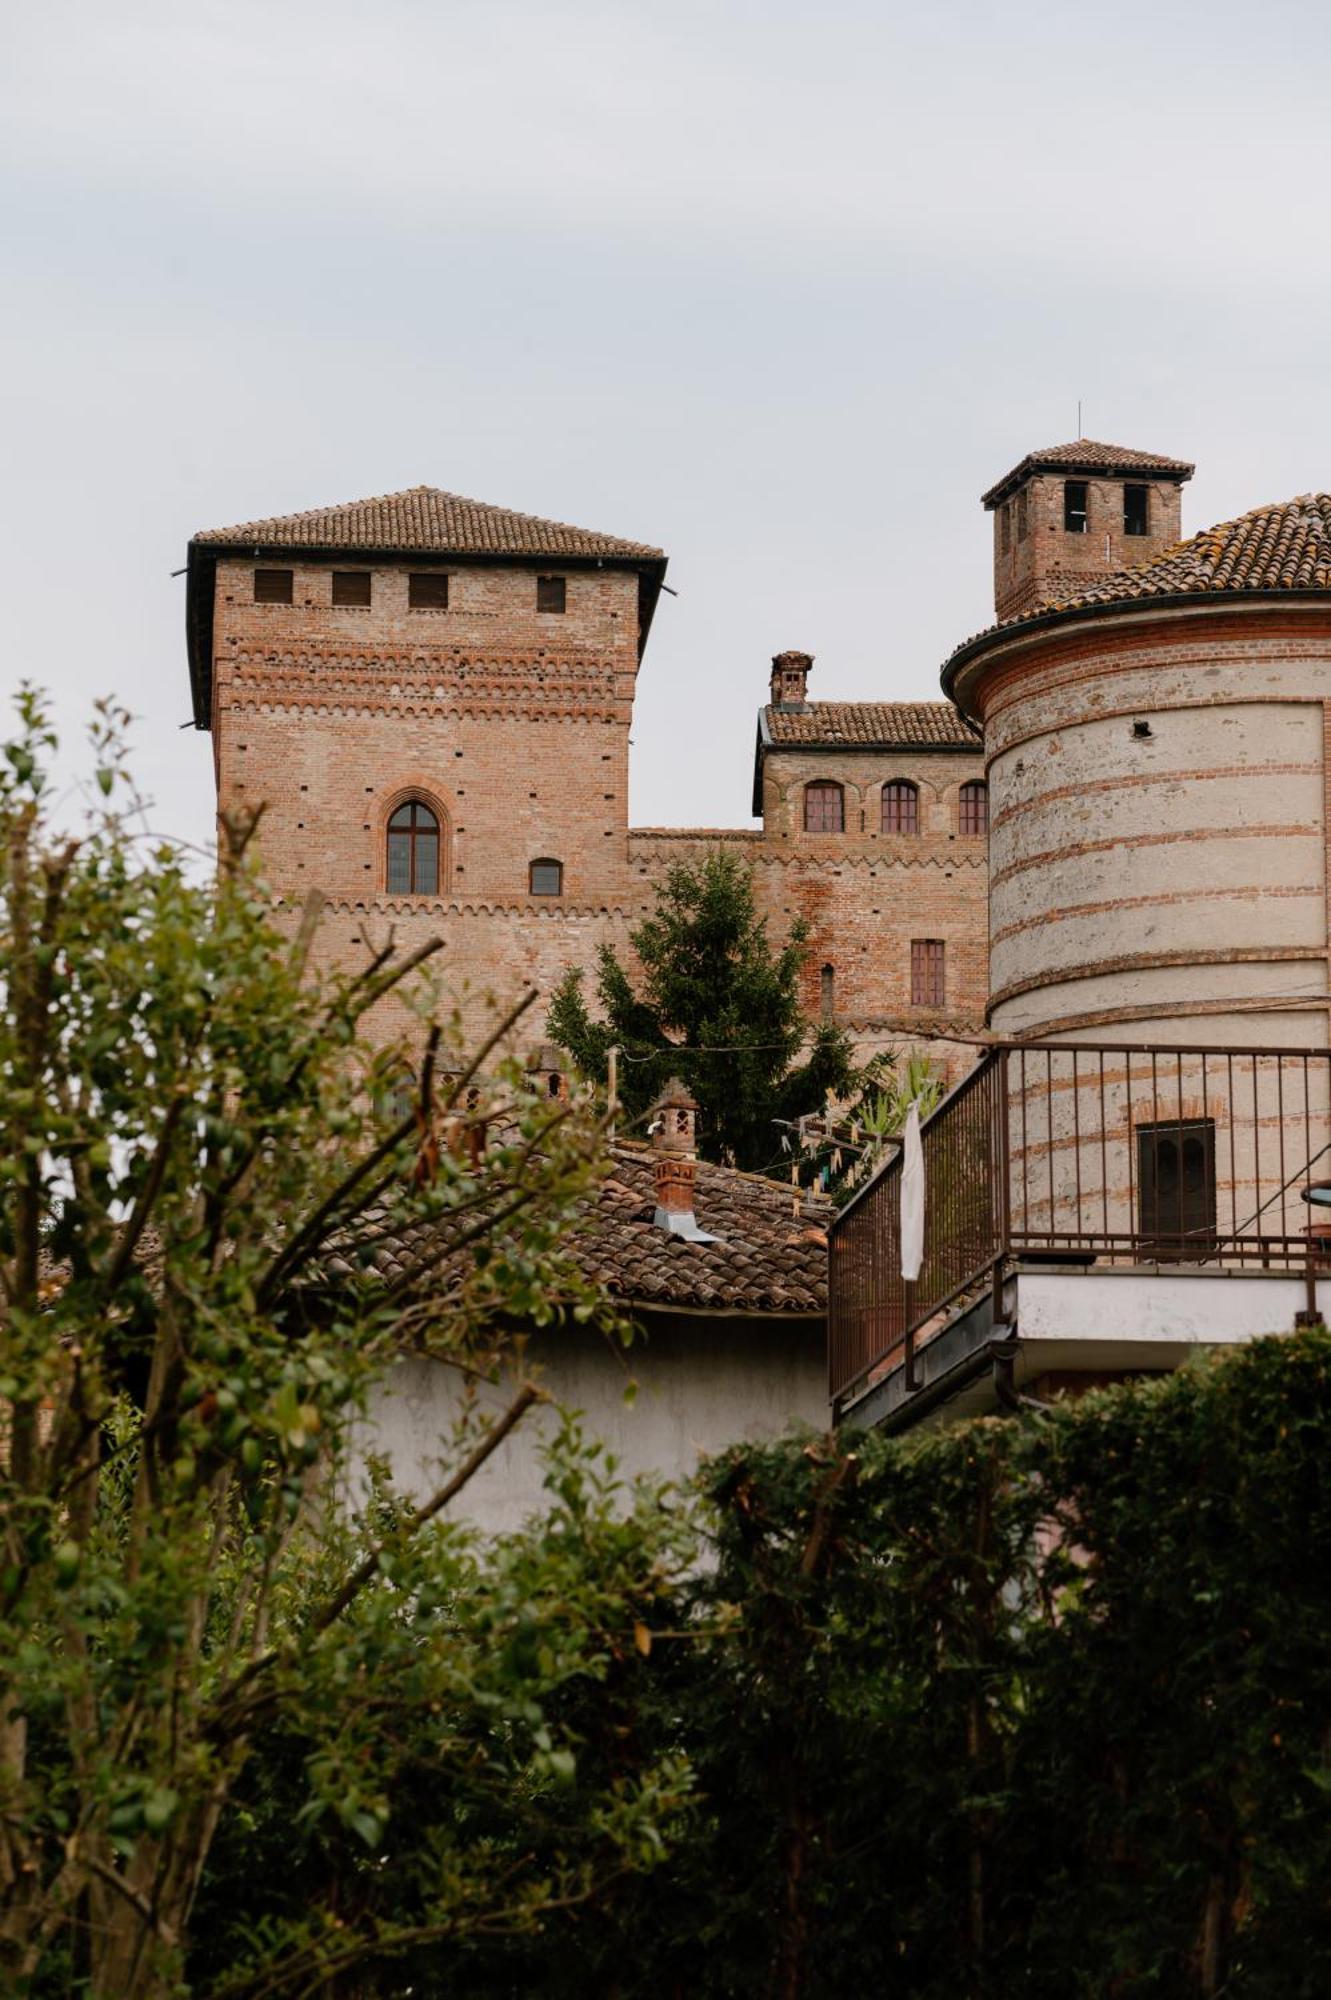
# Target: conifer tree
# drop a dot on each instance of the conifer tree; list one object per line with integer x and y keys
{"x": 717, "y": 1003}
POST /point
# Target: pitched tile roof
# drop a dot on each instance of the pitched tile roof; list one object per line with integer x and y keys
{"x": 1088, "y": 455}
{"x": 1286, "y": 547}
{"x": 425, "y": 520}
{"x": 768, "y": 1259}
{"x": 884, "y": 724}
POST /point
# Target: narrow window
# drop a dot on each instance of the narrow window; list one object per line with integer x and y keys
{"x": 927, "y": 985}
{"x": 824, "y": 808}
{"x": 1074, "y": 506}
{"x": 1005, "y": 514}
{"x": 427, "y": 590}
{"x": 901, "y": 807}
{"x": 1176, "y": 1186}
{"x": 1136, "y": 510}
{"x": 546, "y": 878}
{"x": 550, "y": 593}
{"x": 397, "y": 1098}
{"x": 1021, "y": 515}
{"x": 974, "y": 807}
{"x": 272, "y": 586}
{"x": 413, "y": 851}
{"x": 351, "y": 586}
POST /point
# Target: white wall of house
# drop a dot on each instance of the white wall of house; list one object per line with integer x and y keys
{"x": 702, "y": 1383}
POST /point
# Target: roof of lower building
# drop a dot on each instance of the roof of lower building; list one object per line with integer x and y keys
{"x": 426, "y": 520}
{"x": 770, "y": 1255}
{"x": 884, "y": 725}
{"x": 1090, "y": 456}
{"x": 1271, "y": 550}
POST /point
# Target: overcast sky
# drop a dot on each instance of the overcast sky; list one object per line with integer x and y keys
{"x": 779, "y": 287}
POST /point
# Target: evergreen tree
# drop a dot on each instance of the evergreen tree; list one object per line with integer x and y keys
{"x": 717, "y": 1004}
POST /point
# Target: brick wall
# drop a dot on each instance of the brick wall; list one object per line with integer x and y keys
{"x": 512, "y": 725}
{"x": 1048, "y": 563}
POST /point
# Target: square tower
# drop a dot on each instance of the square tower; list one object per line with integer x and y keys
{"x": 1070, "y": 516}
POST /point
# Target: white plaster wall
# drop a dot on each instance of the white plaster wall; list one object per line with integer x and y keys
{"x": 702, "y": 1384}
{"x": 1136, "y": 1311}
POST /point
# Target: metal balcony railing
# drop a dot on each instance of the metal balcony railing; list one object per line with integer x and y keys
{"x": 1077, "y": 1154}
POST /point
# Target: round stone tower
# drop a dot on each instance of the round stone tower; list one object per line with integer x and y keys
{"x": 1157, "y": 749}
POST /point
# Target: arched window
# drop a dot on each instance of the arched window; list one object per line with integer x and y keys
{"x": 974, "y": 807}
{"x": 545, "y": 878}
{"x": 824, "y": 807}
{"x": 901, "y": 807}
{"x": 413, "y": 851}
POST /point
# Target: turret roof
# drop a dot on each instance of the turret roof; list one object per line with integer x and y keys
{"x": 1090, "y": 456}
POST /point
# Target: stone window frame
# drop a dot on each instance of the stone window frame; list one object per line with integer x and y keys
{"x": 970, "y": 792}
{"x": 900, "y": 792}
{"x": 422, "y": 792}
{"x": 825, "y": 789}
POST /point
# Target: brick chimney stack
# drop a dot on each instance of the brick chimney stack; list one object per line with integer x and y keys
{"x": 672, "y": 1134}
{"x": 790, "y": 675}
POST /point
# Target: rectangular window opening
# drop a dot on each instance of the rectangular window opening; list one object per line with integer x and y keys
{"x": 1136, "y": 510}
{"x": 351, "y": 586}
{"x": 1176, "y": 1204}
{"x": 427, "y": 590}
{"x": 1022, "y": 515}
{"x": 1075, "y": 517}
{"x": 927, "y": 982}
{"x": 551, "y": 593}
{"x": 273, "y": 586}
{"x": 1006, "y": 513}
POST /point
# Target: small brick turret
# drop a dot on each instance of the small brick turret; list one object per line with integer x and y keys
{"x": 1068, "y": 517}
{"x": 790, "y": 679}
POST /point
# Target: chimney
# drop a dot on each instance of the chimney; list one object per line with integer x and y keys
{"x": 672, "y": 1136}
{"x": 790, "y": 674}
{"x": 547, "y": 1072}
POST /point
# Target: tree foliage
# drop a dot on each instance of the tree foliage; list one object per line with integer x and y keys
{"x": 195, "y": 1180}
{"x": 716, "y": 1003}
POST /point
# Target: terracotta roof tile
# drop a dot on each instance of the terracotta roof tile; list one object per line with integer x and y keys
{"x": 1090, "y": 456}
{"x": 768, "y": 1259}
{"x": 884, "y": 724}
{"x": 428, "y": 521}
{"x": 1283, "y": 547}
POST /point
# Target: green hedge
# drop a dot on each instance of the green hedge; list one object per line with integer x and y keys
{"x": 1034, "y": 1707}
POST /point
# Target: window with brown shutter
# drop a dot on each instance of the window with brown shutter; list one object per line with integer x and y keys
{"x": 551, "y": 593}
{"x": 272, "y": 586}
{"x": 824, "y": 807}
{"x": 927, "y": 986}
{"x": 901, "y": 807}
{"x": 973, "y": 807}
{"x": 427, "y": 590}
{"x": 351, "y": 586}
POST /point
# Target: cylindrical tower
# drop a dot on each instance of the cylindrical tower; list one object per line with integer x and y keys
{"x": 1159, "y": 776}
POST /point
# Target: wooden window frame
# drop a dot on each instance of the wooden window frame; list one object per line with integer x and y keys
{"x": 928, "y": 972}
{"x": 415, "y": 836}
{"x": 899, "y": 809}
{"x": 973, "y": 809}
{"x": 824, "y": 790}
{"x": 278, "y": 586}
{"x": 353, "y": 589}
{"x": 545, "y": 861}
{"x": 427, "y": 590}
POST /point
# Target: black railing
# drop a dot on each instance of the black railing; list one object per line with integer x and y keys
{"x": 1083, "y": 1154}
